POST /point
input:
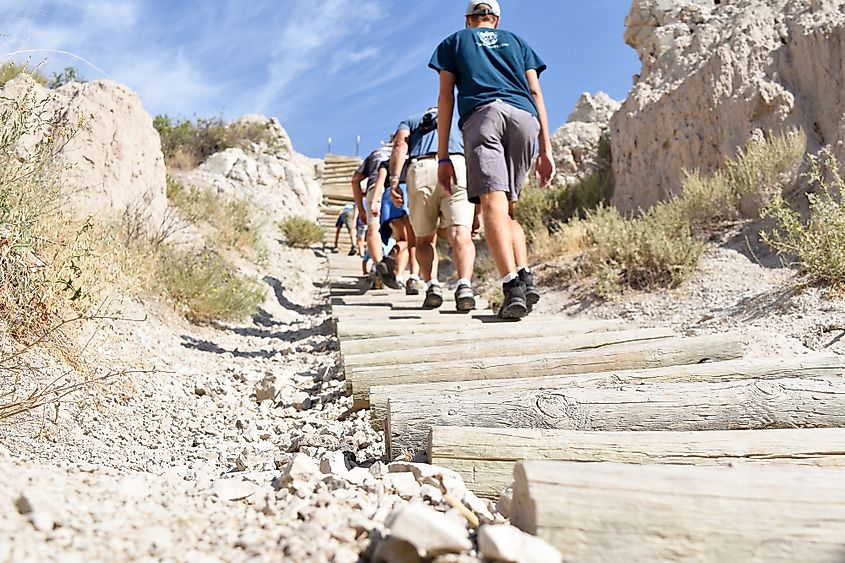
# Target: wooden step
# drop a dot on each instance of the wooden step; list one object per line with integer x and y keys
{"x": 618, "y": 512}
{"x": 732, "y": 405}
{"x": 487, "y": 456}
{"x": 660, "y": 353}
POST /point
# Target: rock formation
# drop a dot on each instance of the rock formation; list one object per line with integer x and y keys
{"x": 270, "y": 172}
{"x": 715, "y": 73}
{"x": 114, "y": 161}
{"x": 576, "y": 144}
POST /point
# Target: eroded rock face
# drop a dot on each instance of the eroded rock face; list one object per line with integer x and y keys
{"x": 114, "y": 161}
{"x": 715, "y": 73}
{"x": 271, "y": 173}
{"x": 576, "y": 144}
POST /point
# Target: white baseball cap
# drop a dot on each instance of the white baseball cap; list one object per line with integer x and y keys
{"x": 495, "y": 10}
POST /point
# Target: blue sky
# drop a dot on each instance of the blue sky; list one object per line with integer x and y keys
{"x": 325, "y": 68}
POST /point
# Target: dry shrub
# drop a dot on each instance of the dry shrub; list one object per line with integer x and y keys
{"x": 301, "y": 232}
{"x": 206, "y": 286}
{"x": 662, "y": 246}
{"x": 818, "y": 243}
{"x": 228, "y": 222}
{"x": 186, "y": 144}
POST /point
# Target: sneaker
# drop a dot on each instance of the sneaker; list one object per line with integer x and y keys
{"x": 353, "y": 251}
{"x": 433, "y": 297}
{"x": 374, "y": 279}
{"x": 412, "y": 287}
{"x": 532, "y": 296}
{"x": 387, "y": 276}
{"x": 464, "y": 298}
{"x": 514, "y": 307}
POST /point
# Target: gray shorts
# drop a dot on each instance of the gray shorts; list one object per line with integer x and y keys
{"x": 499, "y": 142}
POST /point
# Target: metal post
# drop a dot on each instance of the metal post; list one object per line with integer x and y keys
{"x": 358, "y": 145}
{"x": 330, "y": 146}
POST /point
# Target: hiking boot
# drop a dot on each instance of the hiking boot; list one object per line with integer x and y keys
{"x": 412, "y": 287}
{"x": 464, "y": 298}
{"x": 433, "y": 297}
{"x": 515, "y": 306}
{"x": 532, "y": 296}
{"x": 385, "y": 273}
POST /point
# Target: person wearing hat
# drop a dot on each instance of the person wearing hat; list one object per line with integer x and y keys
{"x": 431, "y": 208}
{"x": 502, "y": 116}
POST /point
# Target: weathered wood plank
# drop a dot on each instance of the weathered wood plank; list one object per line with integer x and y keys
{"x": 464, "y": 334}
{"x": 486, "y": 456}
{"x": 809, "y": 366}
{"x": 736, "y": 405}
{"x": 659, "y": 353}
{"x": 485, "y": 346}
{"x": 617, "y": 512}
{"x": 535, "y": 326}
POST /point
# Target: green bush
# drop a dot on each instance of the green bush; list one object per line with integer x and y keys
{"x": 186, "y": 144}
{"x": 301, "y": 232}
{"x": 819, "y": 243}
{"x": 68, "y": 75}
{"x": 207, "y": 286}
{"x": 542, "y": 211}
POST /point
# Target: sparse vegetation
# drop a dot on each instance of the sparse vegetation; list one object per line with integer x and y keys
{"x": 11, "y": 70}
{"x": 186, "y": 144}
{"x": 301, "y": 232}
{"x": 662, "y": 246}
{"x": 230, "y": 222}
{"x": 819, "y": 242}
{"x": 206, "y": 286}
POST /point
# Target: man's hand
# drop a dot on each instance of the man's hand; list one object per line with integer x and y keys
{"x": 397, "y": 197}
{"x": 446, "y": 176}
{"x": 362, "y": 213}
{"x": 545, "y": 170}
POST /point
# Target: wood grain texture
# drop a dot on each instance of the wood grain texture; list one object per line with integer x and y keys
{"x": 809, "y": 366}
{"x": 736, "y": 405}
{"x": 467, "y": 334}
{"x": 659, "y": 353}
{"x": 616, "y": 512}
{"x": 425, "y": 352}
{"x": 486, "y": 456}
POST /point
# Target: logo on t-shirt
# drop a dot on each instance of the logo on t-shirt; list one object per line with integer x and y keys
{"x": 490, "y": 39}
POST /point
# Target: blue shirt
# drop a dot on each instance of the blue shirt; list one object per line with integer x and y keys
{"x": 421, "y": 144}
{"x": 489, "y": 65}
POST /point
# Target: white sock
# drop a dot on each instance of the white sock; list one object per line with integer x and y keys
{"x": 524, "y": 269}
{"x": 510, "y": 277}
{"x": 463, "y": 281}
{"x": 428, "y": 284}
{"x": 414, "y": 277}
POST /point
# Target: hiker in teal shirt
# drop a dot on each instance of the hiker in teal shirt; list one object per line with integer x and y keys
{"x": 502, "y": 116}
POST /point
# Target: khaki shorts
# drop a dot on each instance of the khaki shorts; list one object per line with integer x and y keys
{"x": 431, "y": 208}
{"x": 371, "y": 219}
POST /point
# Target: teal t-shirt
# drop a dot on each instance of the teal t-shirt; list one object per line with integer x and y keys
{"x": 489, "y": 65}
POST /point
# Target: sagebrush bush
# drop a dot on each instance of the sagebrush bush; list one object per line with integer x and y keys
{"x": 231, "y": 222}
{"x": 186, "y": 144}
{"x": 206, "y": 286}
{"x": 818, "y": 243}
{"x": 301, "y": 232}
{"x": 661, "y": 247}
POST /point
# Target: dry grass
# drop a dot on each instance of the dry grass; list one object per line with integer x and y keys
{"x": 11, "y": 70}
{"x": 301, "y": 232}
{"x": 661, "y": 247}
{"x": 818, "y": 243}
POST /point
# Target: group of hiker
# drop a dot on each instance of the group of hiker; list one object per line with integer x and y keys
{"x": 440, "y": 179}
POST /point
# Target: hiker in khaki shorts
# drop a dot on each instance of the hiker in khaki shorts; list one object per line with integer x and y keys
{"x": 502, "y": 116}
{"x": 432, "y": 208}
